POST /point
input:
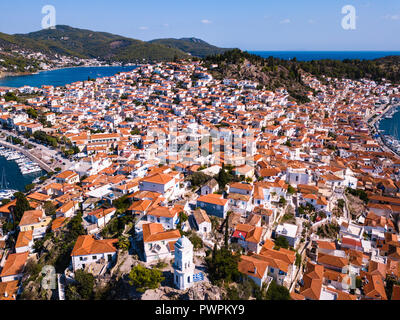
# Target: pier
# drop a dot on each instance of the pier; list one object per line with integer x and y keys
{"x": 25, "y": 152}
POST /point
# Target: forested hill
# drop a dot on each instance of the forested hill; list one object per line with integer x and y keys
{"x": 82, "y": 43}
{"x": 196, "y": 47}
{"x": 274, "y": 72}
{"x": 271, "y": 73}
{"x": 387, "y": 68}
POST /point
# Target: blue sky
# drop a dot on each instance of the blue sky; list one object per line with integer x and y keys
{"x": 246, "y": 24}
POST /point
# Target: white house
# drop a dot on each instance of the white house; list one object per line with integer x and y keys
{"x": 101, "y": 216}
{"x": 289, "y": 231}
{"x": 158, "y": 243}
{"x": 88, "y": 250}
{"x": 24, "y": 241}
{"x": 168, "y": 217}
{"x": 165, "y": 184}
{"x": 202, "y": 221}
{"x": 210, "y": 187}
{"x": 14, "y": 266}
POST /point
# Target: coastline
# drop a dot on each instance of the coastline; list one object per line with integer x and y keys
{"x": 19, "y": 74}
{"x": 378, "y": 136}
{"x": 16, "y": 75}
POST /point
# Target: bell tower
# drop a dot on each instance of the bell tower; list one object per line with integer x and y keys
{"x": 183, "y": 265}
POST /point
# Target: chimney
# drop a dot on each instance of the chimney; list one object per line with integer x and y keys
{"x": 255, "y": 269}
{"x": 6, "y": 294}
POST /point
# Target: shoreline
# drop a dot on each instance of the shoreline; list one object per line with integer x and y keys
{"x": 55, "y": 69}
{"x": 375, "y": 125}
{"x": 21, "y": 74}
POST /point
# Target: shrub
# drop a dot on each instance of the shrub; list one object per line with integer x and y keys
{"x": 143, "y": 278}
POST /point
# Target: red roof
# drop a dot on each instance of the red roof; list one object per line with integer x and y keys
{"x": 239, "y": 234}
{"x": 351, "y": 242}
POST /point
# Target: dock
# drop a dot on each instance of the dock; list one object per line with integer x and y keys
{"x": 25, "y": 152}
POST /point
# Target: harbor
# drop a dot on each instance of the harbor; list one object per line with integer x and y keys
{"x": 25, "y": 165}
{"x": 386, "y": 127}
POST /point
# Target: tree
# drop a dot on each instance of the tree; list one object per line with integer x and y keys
{"x": 223, "y": 178}
{"x": 199, "y": 179}
{"x": 182, "y": 218}
{"x": 123, "y": 243}
{"x": 21, "y": 206}
{"x": 282, "y": 201}
{"x": 223, "y": 266}
{"x": 196, "y": 241}
{"x": 291, "y": 190}
{"x": 75, "y": 227}
{"x": 143, "y": 278}
{"x": 282, "y": 242}
{"x": 121, "y": 203}
{"x": 10, "y": 96}
{"x": 135, "y": 131}
{"x": 82, "y": 288}
{"x": 277, "y": 292}
{"x": 32, "y": 113}
{"x": 5, "y": 201}
{"x": 298, "y": 260}
{"x": 226, "y": 237}
{"x": 49, "y": 208}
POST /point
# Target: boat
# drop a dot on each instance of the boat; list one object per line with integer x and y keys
{"x": 4, "y": 192}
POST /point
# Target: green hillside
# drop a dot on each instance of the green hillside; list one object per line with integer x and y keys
{"x": 82, "y": 43}
{"x": 196, "y": 47}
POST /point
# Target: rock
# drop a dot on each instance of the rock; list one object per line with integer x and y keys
{"x": 201, "y": 291}
{"x": 204, "y": 291}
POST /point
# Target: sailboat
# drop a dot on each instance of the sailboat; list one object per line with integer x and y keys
{"x": 4, "y": 192}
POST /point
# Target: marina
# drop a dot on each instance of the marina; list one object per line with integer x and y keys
{"x": 25, "y": 165}
{"x": 387, "y": 128}
{"x": 17, "y": 171}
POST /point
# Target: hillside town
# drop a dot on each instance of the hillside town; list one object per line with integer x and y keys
{"x": 23, "y": 61}
{"x": 206, "y": 185}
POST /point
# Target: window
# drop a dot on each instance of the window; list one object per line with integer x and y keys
{"x": 272, "y": 270}
{"x": 189, "y": 279}
{"x": 94, "y": 257}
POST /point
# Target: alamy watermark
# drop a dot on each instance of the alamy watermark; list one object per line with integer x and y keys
{"x": 49, "y": 20}
{"x": 49, "y": 280}
{"x": 349, "y": 20}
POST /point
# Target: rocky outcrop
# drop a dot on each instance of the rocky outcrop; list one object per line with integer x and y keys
{"x": 201, "y": 291}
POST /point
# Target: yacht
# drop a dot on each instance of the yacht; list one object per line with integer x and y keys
{"x": 4, "y": 192}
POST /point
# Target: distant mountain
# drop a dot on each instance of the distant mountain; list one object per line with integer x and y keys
{"x": 196, "y": 47}
{"x": 82, "y": 43}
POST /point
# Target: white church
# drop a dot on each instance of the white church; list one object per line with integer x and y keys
{"x": 183, "y": 266}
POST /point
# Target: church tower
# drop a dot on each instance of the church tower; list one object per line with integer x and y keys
{"x": 183, "y": 266}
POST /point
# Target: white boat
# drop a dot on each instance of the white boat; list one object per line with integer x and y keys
{"x": 4, "y": 192}
{"x": 13, "y": 156}
{"x": 30, "y": 170}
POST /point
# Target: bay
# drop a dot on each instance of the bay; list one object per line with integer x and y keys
{"x": 61, "y": 77}
{"x": 13, "y": 176}
{"x": 390, "y": 126}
